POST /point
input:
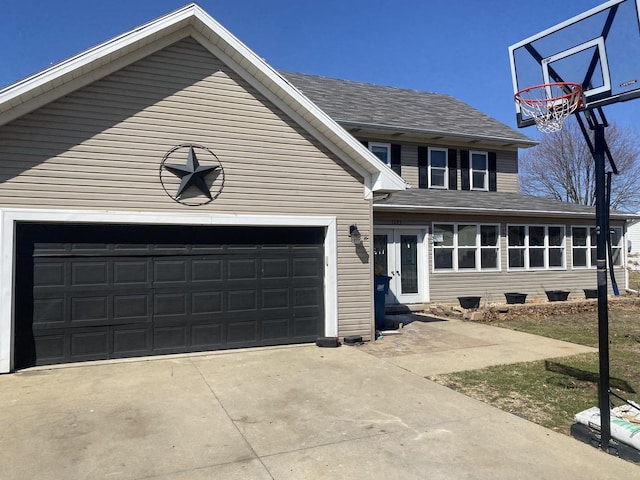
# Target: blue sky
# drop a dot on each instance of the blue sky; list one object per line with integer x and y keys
{"x": 455, "y": 47}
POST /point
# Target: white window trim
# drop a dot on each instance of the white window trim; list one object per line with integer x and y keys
{"x": 446, "y": 168}
{"x": 381, "y": 145}
{"x": 546, "y": 247}
{"x": 478, "y": 248}
{"x": 590, "y": 247}
{"x": 485, "y": 188}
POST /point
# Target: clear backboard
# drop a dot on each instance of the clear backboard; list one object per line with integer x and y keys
{"x": 598, "y": 49}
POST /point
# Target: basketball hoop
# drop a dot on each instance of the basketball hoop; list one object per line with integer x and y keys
{"x": 550, "y": 104}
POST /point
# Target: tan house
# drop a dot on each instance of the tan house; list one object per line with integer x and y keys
{"x": 462, "y": 229}
{"x": 168, "y": 191}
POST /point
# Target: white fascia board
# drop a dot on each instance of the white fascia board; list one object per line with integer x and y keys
{"x": 9, "y": 219}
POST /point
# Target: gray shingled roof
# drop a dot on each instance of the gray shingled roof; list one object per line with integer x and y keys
{"x": 368, "y": 105}
{"x": 488, "y": 203}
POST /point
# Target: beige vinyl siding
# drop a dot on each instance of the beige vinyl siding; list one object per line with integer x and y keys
{"x": 410, "y": 165}
{"x": 101, "y": 147}
{"x": 444, "y": 287}
{"x": 506, "y": 163}
{"x": 507, "y": 171}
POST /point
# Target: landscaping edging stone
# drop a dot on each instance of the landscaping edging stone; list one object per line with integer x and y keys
{"x": 505, "y": 311}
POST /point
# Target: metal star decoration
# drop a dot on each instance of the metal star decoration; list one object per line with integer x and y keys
{"x": 192, "y": 174}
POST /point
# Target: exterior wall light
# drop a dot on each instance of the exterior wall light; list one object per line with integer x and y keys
{"x": 356, "y": 236}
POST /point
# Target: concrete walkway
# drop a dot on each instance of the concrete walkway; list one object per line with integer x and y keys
{"x": 282, "y": 413}
{"x": 429, "y": 346}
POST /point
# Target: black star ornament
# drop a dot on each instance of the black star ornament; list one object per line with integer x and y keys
{"x": 192, "y": 174}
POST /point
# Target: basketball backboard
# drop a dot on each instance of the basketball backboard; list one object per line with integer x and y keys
{"x": 599, "y": 49}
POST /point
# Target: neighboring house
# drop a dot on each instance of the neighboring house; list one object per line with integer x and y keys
{"x": 463, "y": 229}
{"x": 633, "y": 246}
{"x": 168, "y": 191}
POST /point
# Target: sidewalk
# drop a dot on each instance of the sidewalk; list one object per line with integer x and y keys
{"x": 428, "y": 346}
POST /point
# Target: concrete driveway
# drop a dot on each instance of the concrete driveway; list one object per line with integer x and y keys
{"x": 283, "y": 413}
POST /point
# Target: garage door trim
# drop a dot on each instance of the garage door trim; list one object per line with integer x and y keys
{"x": 9, "y": 219}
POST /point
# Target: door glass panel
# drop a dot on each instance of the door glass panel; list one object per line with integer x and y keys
{"x": 409, "y": 263}
{"x": 380, "y": 259}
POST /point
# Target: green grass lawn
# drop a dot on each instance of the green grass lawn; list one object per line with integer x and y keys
{"x": 551, "y": 392}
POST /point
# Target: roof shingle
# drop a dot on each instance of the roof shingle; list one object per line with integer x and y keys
{"x": 355, "y": 103}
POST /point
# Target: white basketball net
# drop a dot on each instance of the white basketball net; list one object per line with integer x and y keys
{"x": 550, "y": 104}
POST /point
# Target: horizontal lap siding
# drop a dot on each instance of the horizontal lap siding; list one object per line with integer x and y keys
{"x": 101, "y": 147}
{"x": 506, "y": 165}
{"x": 507, "y": 171}
{"x": 446, "y": 286}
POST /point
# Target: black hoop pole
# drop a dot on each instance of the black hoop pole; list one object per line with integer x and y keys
{"x": 602, "y": 231}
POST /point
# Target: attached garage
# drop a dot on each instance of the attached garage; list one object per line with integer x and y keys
{"x": 168, "y": 191}
{"x": 88, "y": 292}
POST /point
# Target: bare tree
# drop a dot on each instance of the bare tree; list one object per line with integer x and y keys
{"x": 562, "y": 167}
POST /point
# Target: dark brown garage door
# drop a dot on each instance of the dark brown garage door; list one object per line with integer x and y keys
{"x": 87, "y": 292}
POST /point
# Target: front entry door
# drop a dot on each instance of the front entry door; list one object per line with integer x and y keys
{"x": 398, "y": 253}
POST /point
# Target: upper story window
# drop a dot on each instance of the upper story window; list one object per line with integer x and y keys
{"x": 381, "y": 150}
{"x": 479, "y": 171}
{"x": 536, "y": 246}
{"x": 585, "y": 242}
{"x": 438, "y": 174}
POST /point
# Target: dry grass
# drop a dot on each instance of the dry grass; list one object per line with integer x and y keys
{"x": 550, "y": 393}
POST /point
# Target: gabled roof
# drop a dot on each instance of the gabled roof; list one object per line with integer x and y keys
{"x": 191, "y": 21}
{"x": 485, "y": 203}
{"x": 368, "y": 106}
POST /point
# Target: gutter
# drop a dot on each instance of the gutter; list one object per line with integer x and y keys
{"x": 486, "y": 211}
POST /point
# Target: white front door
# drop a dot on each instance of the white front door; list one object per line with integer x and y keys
{"x": 399, "y": 254}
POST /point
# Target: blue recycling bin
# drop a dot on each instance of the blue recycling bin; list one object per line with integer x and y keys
{"x": 379, "y": 294}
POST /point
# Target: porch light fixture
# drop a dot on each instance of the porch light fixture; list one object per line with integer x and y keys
{"x": 356, "y": 236}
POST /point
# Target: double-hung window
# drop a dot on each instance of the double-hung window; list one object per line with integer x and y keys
{"x": 464, "y": 247}
{"x": 479, "y": 171}
{"x": 536, "y": 246}
{"x": 585, "y": 242}
{"x": 438, "y": 168}
{"x": 381, "y": 150}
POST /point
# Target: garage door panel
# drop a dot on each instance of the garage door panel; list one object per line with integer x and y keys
{"x": 169, "y": 304}
{"x": 306, "y": 267}
{"x": 207, "y": 336}
{"x": 275, "y": 269}
{"x": 275, "y": 298}
{"x": 132, "y": 308}
{"x": 132, "y": 341}
{"x": 85, "y": 300}
{"x": 49, "y": 274}
{"x": 206, "y": 270}
{"x": 243, "y": 332}
{"x": 305, "y": 327}
{"x": 276, "y": 329}
{"x": 131, "y": 272}
{"x": 50, "y": 347}
{"x": 242, "y": 269}
{"x": 49, "y": 311}
{"x": 242, "y": 300}
{"x": 170, "y": 339}
{"x": 90, "y": 343}
{"x": 206, "y": 303}
{"x": 85, "y": 273}
{"x": 170, "y": 271}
